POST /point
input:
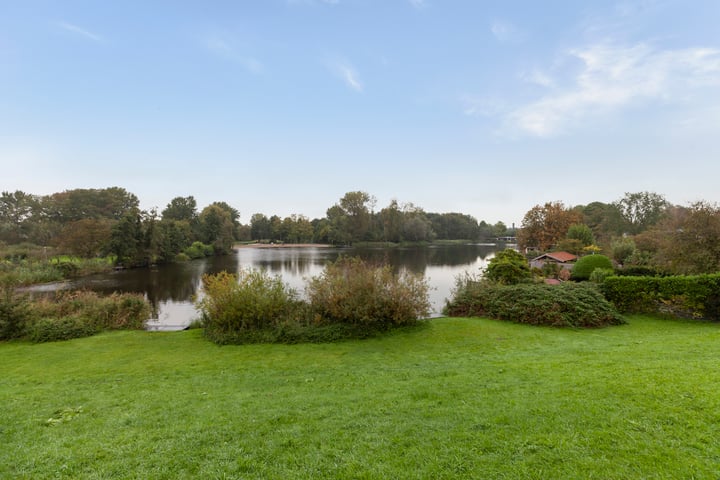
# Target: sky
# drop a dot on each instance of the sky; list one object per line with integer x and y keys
{"x": 282, "y": 106}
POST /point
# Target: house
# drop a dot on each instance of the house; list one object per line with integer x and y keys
{"x": 563, "y": 259}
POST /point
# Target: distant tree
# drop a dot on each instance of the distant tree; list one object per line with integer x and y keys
{"x": 622, "y": 250}
{"x": 391, "y": 218}
{"x": 217, "y": 228}
{"x": 86, "y": 238}
{"x": 72, "y": 205}
{"x": 544, "y": 226}
{"x": 687, "y": 240}
{"x": 181, "y": 208}
{"x": 175, "y": 236}
{"x": 604, "y": 219}
{"x": 17, "y": 210}
{"x": 454, "y": 226}
{"x": 126, "y": 240}
{"x": 260, "y": 227}
{"x": 641, "y": 210}
{"x": 582, "y": 233}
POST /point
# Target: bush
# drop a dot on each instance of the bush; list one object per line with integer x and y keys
{"x": 199, "y": 250}
{"x": 585, "y": 265}
{"x": 565, "y": 305}
{"x": 600, "y": 274}
{"x": 353, "y": 292}
{"x": 234, "y": 306}
{"x": 64, "y": 328}
{"x": 15, "y": 312}
{"x": 693, "y": 295}
{"x": 508, "y": 267}
{"x": 119, "y": 311}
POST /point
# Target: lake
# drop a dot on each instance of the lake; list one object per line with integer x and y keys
{"x": 171, "y": 288}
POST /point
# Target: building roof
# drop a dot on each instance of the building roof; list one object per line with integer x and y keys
{"x": 561, "y": 257}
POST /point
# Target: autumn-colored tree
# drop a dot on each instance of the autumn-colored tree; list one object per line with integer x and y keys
{"x": 544, "y": 226}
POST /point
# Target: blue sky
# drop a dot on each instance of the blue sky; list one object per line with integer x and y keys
{"x": 282, "y": 106}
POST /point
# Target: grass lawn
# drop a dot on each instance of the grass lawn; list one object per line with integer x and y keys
{"x": 458, "y": 398}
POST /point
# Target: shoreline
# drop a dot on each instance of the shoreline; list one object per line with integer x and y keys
{"x": 283, "y": 245}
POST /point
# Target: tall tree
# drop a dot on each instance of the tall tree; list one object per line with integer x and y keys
{"x": 217, "y": 228}
{"x": 17, "y": 210}
{"x": 181, "y": 208}
{"x": 544, "y": 226}
{"x": 641, "y": 210}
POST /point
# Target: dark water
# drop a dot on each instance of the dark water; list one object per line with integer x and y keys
{"x": 171, "y": 288}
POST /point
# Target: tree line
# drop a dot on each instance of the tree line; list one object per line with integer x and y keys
{"x": 109, "y": 221}
{"x": 641, "y": 232}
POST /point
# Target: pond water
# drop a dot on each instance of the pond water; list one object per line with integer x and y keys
{"x": 171, "y": 288}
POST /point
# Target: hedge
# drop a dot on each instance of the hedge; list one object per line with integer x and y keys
{"x": 694, "y": 295}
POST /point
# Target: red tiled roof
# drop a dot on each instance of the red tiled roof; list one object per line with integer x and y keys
{"x": 558, "y": 256}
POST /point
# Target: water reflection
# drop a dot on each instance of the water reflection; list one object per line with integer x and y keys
{"x": 170, "y": 288}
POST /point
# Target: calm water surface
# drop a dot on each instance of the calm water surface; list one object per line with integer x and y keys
{"x": 171, "y": 288}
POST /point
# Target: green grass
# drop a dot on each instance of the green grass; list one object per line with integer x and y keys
{"x": 458, "y": 398}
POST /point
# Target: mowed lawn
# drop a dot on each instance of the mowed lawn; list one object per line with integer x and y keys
{"x": 457, "y": 398}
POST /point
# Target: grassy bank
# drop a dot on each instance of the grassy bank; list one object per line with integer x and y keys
{"x": 457, "y": 398}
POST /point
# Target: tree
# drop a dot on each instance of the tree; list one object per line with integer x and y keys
{"x": 687, "y": 240}
{"x": 260, "y": 228}
{"x": 391, "y": 221}
{"x": 508, "y": 267}
{"x": 217, "y": 228}
{"x": 582, "y": 233}
{"x": 544, "y": 226}
{"x": 17, "y": 210}
{"x": 87, "y": 238}
{"x": 641, "y": 210}
{"x": 72, "y": 205}
{"x": 181, "y": 208}
{"x": 356, "y": 208}
{"x": 126, "y": 240}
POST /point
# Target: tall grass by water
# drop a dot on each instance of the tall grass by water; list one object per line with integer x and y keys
{"x": 454, "y": 398}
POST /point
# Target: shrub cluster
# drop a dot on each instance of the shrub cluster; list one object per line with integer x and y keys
{"x": 585, "y": 266}
{"x": 198, "y": 250}
{"x": 350, "y": 299}
{"x": 246, "y": 307}
{"x": 69, "y": 315}
{"x": 565, "y": 305}
{"x": 694, "y": 295}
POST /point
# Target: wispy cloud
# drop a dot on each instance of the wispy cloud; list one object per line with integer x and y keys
{"x": 614, "y": 77}
{"x": 347, "y": 73}
{"x": 224, "y": 48}
{"x": 69, "y": 27}
{"x": 538, "y": 77}
{"x": 505, "y": 31}
{"x": 418, "y": 3}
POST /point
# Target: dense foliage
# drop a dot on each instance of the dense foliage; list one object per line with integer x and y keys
{"x": 565, "y": 305}
{"x": 349, "y": 299}
{"x": 694, "y": 295}
{"x": 353, "y": 292}
{"x": 508, "y": 267}
{"x": 234, "y": 307}
{"x": 585, "y": 266}
{"x": 70, "y": 314}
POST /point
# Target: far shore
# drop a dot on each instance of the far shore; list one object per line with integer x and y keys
{"x": 283, "y": 245}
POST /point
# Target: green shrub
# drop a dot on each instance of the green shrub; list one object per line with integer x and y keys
{"x": 694, "y": 295}
{"x": 111, "y": 312}
{"x": 15, "y": 312}
{"x": 252, "y": 301}
{"x": 353, "y": 292}
{"x": 585, "y": 265}
{"x": 64, "y": 328}
{"x": 199, "y": 250}
{"x": 600, "y": 274}
{"x": 508, "y": 267}
{"x": 565, "y": 305}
